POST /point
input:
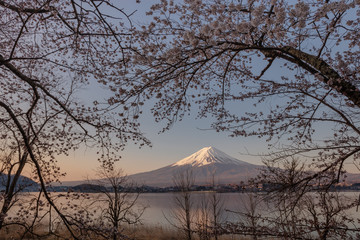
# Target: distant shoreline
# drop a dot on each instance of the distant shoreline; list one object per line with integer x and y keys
{"x": 221, "y": 188}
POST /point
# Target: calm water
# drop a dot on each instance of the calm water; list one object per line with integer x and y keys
{"x": 160, "y": 207}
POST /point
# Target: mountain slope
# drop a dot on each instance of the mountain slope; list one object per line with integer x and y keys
{"x": 208, "y": 155}
{"x": 23, "y": 183}
{"x": 203, "y": 164}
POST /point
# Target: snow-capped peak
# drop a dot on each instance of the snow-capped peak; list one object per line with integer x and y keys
{"x": 206, "y": 156}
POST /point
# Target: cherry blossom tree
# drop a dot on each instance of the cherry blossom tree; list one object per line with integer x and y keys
{"x": 50, "y": 51}
{"x": 110, "y": 212}
{"x": 295, "y": 62}
{"x": 119, "y": 202}
{"x": 321, "y": 215}
{"x": 183, "y": 212}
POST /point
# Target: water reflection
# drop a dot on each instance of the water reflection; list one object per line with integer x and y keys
{"x": 161, "y": 206}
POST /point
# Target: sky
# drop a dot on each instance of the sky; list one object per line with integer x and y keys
{"x": 183, "y": 139}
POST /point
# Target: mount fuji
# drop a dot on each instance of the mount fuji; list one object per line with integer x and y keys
{"x": 203, "y": 164}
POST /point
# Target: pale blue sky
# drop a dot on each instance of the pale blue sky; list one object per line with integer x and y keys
{"x": 183, "y": 139}
{"x": 179, "y": 142}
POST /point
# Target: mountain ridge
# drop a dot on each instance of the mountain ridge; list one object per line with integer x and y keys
{"x": 204, "y": 164}
{"x": 206, "y": 156}
{"x": 23, "y": 183}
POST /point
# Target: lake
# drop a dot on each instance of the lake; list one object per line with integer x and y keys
{"x": 160, "y": 207}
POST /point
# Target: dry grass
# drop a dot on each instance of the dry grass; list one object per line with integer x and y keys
{"x": 139, "y": 232}
{"x": 17, "y": 232}
{"x": 167, "y": 233}
{"x": 153, "y": 232}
